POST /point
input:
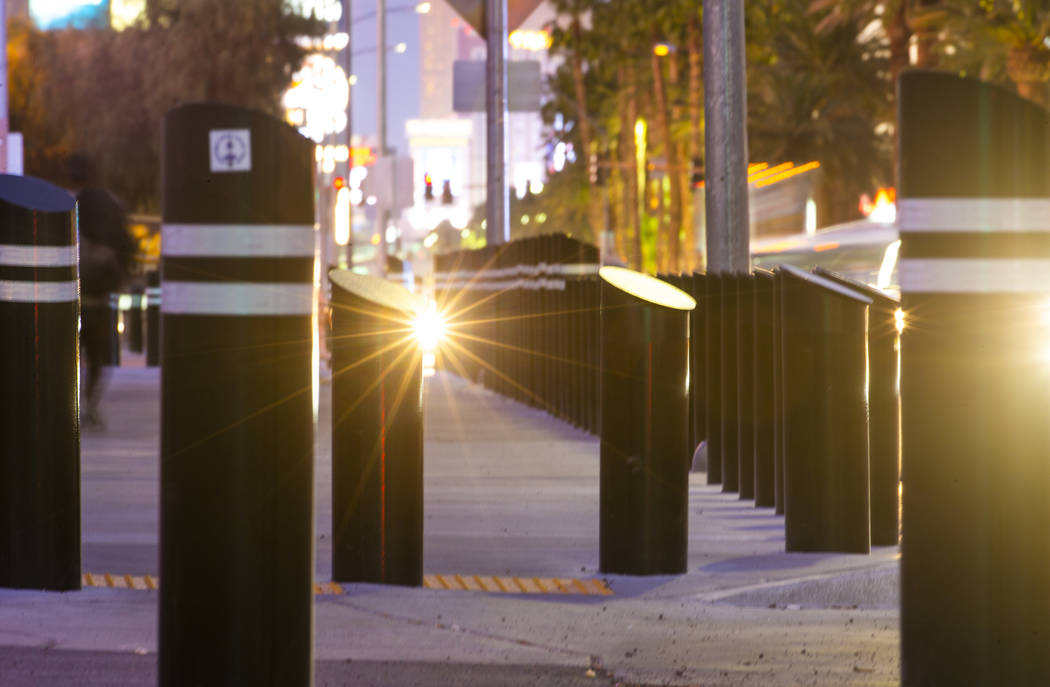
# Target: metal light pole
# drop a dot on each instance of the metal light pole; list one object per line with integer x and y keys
{"x": 725, "y": 138}
{"x": 497, "y": 218}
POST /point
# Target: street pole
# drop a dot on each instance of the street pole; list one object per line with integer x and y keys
{"x": 497, "y": 216}
{"x": 725, "y": 138}
{"x": 384, "y": 213}
{"x": 348, "y": 65}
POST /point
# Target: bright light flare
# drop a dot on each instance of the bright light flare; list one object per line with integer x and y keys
{"x": 430, "y": 328}
{"x": 899, "y": 319}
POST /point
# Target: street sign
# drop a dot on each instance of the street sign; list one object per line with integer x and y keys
{"x": 473, "y": 12}
{"x": 523, "y": 86}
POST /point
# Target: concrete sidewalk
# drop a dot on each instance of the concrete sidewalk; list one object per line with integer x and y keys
{"x": 510, "y": 493}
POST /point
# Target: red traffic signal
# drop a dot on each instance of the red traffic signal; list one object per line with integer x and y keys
{"x": 428, "y": 187}
{"x": 338, "y": 183}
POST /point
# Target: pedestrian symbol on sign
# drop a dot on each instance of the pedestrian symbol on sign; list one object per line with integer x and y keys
{"x": 231, "y": 150}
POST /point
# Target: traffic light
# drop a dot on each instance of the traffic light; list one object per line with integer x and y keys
{"x": 338, "y": 183}
{"x": 428, "y": 187}
{"x": 446, "y": 193}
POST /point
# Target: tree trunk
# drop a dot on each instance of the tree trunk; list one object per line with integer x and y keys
{"x": 696, "y": 134}
{"x": 669, "y": 230}
{"x": 589, "y": 154}
{"x": 628, "y": 116}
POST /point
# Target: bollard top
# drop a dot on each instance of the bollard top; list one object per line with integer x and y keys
{"x": 876, "y": 294}
{"x": 647, "y": 288}
{"x": 377, "y": 290}
{"x": 825, "y": 283}
{"x": 35, "y": 194}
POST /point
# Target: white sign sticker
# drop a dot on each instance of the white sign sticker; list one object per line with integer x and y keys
{"x": 231, "y": 150}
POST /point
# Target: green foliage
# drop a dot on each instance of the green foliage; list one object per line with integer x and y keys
{"x": 104, "y": 93}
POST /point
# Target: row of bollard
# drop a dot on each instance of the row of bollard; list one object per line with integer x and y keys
{"x": 797, "y": 399}
{"x": 525, "y": 315}
{"x": 793, "y": 382}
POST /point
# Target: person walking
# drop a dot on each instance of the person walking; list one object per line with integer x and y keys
{"x": 106, "y": 253}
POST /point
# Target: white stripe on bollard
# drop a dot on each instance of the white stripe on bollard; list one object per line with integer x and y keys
{"x": 38, "y": 256}
{"x": 974, "y": 275}
{"x": 237, "y": 298}
{"x": 39, "y": 291}
{"x": 974, "y": 214}
{"x": 237, "y": 240}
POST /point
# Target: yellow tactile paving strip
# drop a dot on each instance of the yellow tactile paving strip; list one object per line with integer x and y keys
{"x": 464, "y": 583}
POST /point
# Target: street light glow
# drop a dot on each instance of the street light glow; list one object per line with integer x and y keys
{"x": 423, "y": 8}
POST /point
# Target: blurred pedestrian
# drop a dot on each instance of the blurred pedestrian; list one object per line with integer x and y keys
{"x": 106, "y": 254}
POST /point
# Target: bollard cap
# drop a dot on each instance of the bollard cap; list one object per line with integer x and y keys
{"x": 34, "y": 194}
{"x": 647, "y": 288}
{"x": 825, "y": 284}
{"x": 380, "y": 291}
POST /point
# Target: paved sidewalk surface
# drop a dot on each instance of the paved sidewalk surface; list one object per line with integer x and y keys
{"x": 509, "y": 492}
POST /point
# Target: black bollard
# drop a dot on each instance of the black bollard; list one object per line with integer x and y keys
{"x": 826, "y": 415}
{"x": 778, "y": 391}
{"x": 39, "y": 409}
{"x": 114, "y": 336}
{"x": 152, "y": 319}
{"x": 975, "y": 384}
{"x": 746, "y": 384}
{"x": 730, "y": 358}
{"x": 133, "y": 326}
{"x": 712, "y": 315}
{"x": 237, "y": 400}
{"x": 645, "y": 456}
{"x": 765, "y": 486}
{"x": 377, "y": 432}
{"x": 697, "y": 361}
{"x": 884, "y": 409}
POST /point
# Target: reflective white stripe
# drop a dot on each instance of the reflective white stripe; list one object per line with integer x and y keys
{"x": 237, "y": 240}
{"x": 973, "y": 214}
{"x": 236, "y": 298}
{"x": 39, "y": 291}
{"x": 38, "y": 256}
{"x": 577, "y": 269}
{"x": 988, "y": 275}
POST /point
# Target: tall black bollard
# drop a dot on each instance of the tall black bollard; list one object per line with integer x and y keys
{"x": 826, "y": 415}
{"x": 645, "y": 456}
{"x": 763, "y": 390}
{"x": 975, "y": 384}
{"x": 377, "y": 433}
{"x": 39, "y": 409}
{"x": 884, "y": 409}
{"x": 712, "y": 315}
{"x": 237, "y": 408}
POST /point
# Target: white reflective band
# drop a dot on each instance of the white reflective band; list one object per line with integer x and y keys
{"x": 973, "y": 214}
{"x": 39, "y": 291}
{"x": 237, "y": 240}
{"x": 236, "y": 298}
{"x": 577, "y": 269}
{"x": 981, "y": 275}
{"x": 38, "y": 256}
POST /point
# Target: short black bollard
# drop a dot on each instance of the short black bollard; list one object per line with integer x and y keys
{"x": 778, "y": 391}
{"x": 113, "y": 318}
{"x": 377, "y": 432}
{"x": 746, "y": 384}
{"x": 134, "y": 330}
{"x": 712, "y": 314}
{"x": 729, "y": 405}
{"x": 826, "y": 415}
{"x": 39, "y": 418}
{"x": 697, "y": 362}
{"x": 153, "y": 319}
{"x": 884, "y": 409}
{"x": 645, "y": 457}
{"x": 763, "y": 389}
{"x": 237, "y": 400}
